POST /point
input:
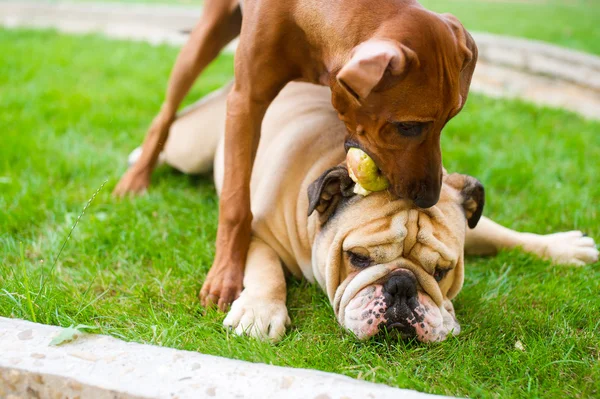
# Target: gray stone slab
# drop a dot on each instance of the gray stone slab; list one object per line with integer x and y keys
{"x": 97, "y": 366}
{"x": 501, "y": 82}
{"x": 539, "y": 58}
{"x": 156, "y": 24}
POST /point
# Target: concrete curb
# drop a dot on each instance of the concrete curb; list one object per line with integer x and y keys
{"x": 508, "y": 67}
{"x": 538, "y": 72}
{"x": 97, "y": 366}
{"x": 539, "y": 58}
{"x": 156, "y": 24}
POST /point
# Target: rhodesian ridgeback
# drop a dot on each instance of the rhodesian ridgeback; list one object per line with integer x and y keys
{"x": 397, "y": 73}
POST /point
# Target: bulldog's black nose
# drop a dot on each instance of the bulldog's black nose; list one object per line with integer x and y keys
{"x": 400, "y": 295}
{"x": 401, "y": 285}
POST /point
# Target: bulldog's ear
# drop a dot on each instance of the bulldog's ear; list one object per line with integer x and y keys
{"x": 369, "y": 62}
{"x": 325, "y": 193}
{"x": 469, "y": 51}
{"x": 472, "y": 193}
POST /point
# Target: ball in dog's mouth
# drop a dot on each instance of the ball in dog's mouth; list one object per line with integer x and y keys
{"x": 364, "y": 172}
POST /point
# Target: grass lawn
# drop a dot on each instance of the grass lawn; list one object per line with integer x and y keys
{"x": 568, "y": 23}
{"x": 72, "y": 108}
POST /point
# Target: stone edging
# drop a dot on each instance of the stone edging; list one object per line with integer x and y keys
{"x": 98, "y": 367}
{"x": 508, "y": 67}
{"x": 538, "y": 72}
{"x": 156, "y": 24}
{"x": 539, "y": 58}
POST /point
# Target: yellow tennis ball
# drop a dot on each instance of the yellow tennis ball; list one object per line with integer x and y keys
{"x": 364, "y": 172}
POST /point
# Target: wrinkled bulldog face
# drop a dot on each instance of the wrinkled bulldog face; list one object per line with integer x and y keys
{"x": 387, "y": 265}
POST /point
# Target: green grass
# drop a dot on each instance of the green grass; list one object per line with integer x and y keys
{"x": 73, "y": 107}
{"x": 568, "y": 23}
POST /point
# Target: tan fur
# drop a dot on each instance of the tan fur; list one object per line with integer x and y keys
{"x": 293, "y": 153}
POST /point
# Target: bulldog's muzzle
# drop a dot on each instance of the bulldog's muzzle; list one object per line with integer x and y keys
{"x": 401, "y": 299}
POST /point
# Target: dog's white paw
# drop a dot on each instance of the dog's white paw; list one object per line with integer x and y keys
{"x": 258, "y": 317}
{"x": 137, "y": 153}
{"x": 570, "y": 248}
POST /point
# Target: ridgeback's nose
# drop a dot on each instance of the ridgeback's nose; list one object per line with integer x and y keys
{"x": 426, "y": 201}
{"x": 424, "y": 194}
{"x": 427, "y": 195}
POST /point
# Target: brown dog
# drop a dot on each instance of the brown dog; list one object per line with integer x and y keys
{"x": 397, "y": 72}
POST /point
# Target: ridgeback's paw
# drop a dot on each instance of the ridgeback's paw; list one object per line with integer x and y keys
{"x": 570, "y": 248}
{"x": 222, "y": 286}
{"x": 132, "y": 182}
{"x": 258, "y": 317}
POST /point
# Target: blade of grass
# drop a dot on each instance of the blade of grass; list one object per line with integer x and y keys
{"x": 45, "y": 276}
{"x": 26, "y": 284}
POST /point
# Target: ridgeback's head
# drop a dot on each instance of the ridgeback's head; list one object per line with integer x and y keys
{"x": 387, "y": 265}
{"x": 398, "y": 89}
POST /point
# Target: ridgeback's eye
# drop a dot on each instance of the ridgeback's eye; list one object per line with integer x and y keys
{"x": 440, "y": 274}
{"x": 359, "y": 260}
{"x": 409, "y": 129}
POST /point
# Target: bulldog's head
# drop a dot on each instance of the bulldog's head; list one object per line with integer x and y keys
{"x": 385, "y": 264}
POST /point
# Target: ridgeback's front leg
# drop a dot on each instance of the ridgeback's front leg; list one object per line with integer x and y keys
{"x": 260, "y": 311}
{"x": 571, "y": 247}
{"x": 220, "y": 23}
{"x": 242, "y": 132}
{"x": 254, "y": 89}
{"x": 257, "y": 83}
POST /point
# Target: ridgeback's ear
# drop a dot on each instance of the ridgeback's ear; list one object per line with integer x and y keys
{"x": 325, "y": 193}
{"x": 368, "y": 63}
{"x": 469, "y": 52}
{"x": 472, "y": 193}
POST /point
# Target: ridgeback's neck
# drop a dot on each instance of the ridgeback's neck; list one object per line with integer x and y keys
{"x": 331, "y": 29}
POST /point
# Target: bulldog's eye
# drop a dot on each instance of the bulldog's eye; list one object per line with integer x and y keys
{"x": 440, "y": 274}
{"x": 358, "y": 260}
{"x": 409, "y": 129}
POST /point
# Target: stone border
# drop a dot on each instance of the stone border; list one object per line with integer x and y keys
{"x": 508, "y": 67}
{"x": 538, "y": 72}
{"x": 504, "y": 82}
{"x": 156, "y": 24}
{"x": 539, "y": 58}
{"x": 99, "y": 367}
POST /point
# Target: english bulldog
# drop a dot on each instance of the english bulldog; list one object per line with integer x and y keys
{"x": 383, "y": 263}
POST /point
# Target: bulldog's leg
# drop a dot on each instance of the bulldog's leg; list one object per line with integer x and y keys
{"x": 194, "y": 135}
{"x": 220, "y": 23}
{"x": 571, "y": 247}
{"x": 260, "y": 310}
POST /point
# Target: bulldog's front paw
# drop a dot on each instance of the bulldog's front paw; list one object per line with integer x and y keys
{"x": 258, "y": 317}
{"x": 570, "y": 248}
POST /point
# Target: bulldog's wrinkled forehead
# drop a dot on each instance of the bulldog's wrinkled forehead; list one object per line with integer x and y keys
{"x": 388, "y": 230}
{"x": 378, "y": 230}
